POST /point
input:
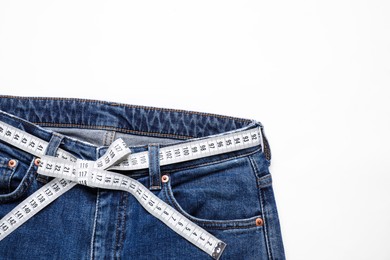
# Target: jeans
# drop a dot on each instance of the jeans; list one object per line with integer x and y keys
{"x": 229, "y": 195}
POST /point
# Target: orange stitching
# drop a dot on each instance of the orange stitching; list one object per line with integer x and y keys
{"x": 131, "y": 106}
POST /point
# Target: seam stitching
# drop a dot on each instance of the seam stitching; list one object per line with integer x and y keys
{"x": 92, "y": 254}
{"x": 130, "y": 106}
{"x": 117, "y": 232}
{"x": 112, "y": 137}
{"x": 105, "y": 138}
{"x": 121, "y": 239}
{"x": 266, "y": 227}
{"x": 261, "y": 197}
{"x": 10, "y": 173}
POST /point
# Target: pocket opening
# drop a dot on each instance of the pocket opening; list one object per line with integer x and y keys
{"x": 21, "y": 186}
{"x": 208, "y": 223}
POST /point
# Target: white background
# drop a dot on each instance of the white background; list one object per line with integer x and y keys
{"x": 315, "y": 73}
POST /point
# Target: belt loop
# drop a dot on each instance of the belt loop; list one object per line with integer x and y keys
{"x": 54, "y": 143}
{"x": 265, "y": 145}
{"x": 154, "y": 167}
{"x": 51, "y": 150}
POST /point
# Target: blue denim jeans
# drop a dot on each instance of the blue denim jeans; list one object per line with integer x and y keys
{"x": 230, "y": 195}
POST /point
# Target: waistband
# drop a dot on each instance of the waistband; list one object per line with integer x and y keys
{"x": 124, "y": 118}
{"x": 32, "y": 114}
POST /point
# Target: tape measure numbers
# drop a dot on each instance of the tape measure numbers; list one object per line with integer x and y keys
{"x": 195, "y": 149}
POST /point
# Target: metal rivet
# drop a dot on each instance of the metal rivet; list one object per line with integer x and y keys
{"x": 165, "y": 178}
{"x": 259, "y": 222}
{"x": 12, "y": 163}
{"x": 37, "y": 161}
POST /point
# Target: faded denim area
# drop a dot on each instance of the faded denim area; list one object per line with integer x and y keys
{"x": 230, "y": 195}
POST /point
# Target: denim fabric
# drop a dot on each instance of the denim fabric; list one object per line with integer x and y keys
{"x": 224, "y": 194}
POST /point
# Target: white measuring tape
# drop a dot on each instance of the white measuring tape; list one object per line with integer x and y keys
{"x": 195, "y": 149}
{"x": 68, "y": 171}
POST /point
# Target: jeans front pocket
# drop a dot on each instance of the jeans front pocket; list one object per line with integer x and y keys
{"x": 222, "y": 195}
{"x": 17, "y": 173}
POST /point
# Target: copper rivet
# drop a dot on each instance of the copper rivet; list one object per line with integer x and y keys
{"x": 11, "y": 163}
{"x": 37, "y": 161}
{"x": 165, "y": 178}
{"x": 259, "y": 222}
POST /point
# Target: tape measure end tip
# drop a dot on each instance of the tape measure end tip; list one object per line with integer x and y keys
{"x": 218, "y": 250}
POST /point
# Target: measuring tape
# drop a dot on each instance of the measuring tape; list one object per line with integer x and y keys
{"x": 69, "y": 171}
{"x": 195, "y": 149}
